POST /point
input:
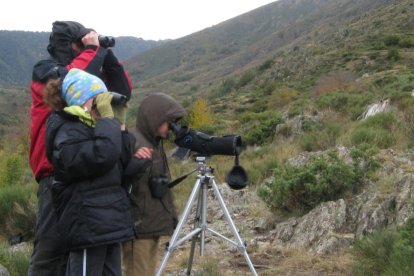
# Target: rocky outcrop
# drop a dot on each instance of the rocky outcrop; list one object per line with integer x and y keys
{"x": 383, "y": 203}
{"x": 375, "y": 108}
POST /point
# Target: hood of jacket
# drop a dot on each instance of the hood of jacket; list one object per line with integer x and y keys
{"x": 154, "y": 110}
{"x": 48, "y": 69}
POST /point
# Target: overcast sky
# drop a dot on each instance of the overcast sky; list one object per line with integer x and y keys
{"x": 151, "y": 19}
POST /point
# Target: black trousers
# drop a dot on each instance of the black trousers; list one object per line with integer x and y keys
{"x": 48, "y": 257}
{"x": 102, "y": 260}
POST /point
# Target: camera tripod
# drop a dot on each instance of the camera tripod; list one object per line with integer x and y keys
{"x": 205, "y": 180}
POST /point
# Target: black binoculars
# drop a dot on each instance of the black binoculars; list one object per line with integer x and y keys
{"x": 106, "y": 41}
{"x": 118, "y": 99}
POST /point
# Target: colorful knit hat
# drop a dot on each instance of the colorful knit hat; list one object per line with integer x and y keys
{"x": 79, "y": 86}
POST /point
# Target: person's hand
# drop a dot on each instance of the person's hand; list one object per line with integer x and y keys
{"x": 144, "y": 153}
{"x": 120, "y": 112}
{"x": 103, "y": 105}
{"x": 91, "y": 38}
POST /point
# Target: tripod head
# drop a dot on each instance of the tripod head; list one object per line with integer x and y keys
{"x": 203, "y": 169}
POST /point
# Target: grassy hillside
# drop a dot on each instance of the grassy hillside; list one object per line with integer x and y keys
{"x": 242, "y": 42}
{"x": 298, "y": 84}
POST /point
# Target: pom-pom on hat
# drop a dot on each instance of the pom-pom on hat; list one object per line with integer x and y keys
{"x": 79, "y": 86}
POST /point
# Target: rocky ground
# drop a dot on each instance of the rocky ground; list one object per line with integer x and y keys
{"x": 315, "y": 244}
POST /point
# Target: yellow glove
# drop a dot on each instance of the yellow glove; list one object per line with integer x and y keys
{"x": 103, "y": 104}
{"x": 120, "y": 112}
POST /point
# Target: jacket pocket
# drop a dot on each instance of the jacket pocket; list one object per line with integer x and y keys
{"x": 107, "y": 213}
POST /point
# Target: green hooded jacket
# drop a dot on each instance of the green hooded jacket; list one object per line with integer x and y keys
{"x": 153, "y": 216}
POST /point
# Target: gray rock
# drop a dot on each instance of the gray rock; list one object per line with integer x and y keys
{"x": 4, "y": 271}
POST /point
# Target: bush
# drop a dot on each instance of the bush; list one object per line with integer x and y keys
{"x": 17, "y": 263}
{"x": 407, "y": 42}
{"x": 298, "y": 189}
{"x": 387, "y": 252}
{"x": 393, "y": 54}
{"x": 377, "y": 130}
{"x": 226, "y": 87}
{"x": 11, "y": 170}
{"x": 372, "y": 254}
{"x": 245, "y": 79}
{"x": 392, "y": 40}
{"x": 261, "y": 127}
{"x": 320, "y": 137}
{"x": 350, "y": 103}
{"x": 282, "y": 97}
{"x": 18, "y": 211}
{"x": 266, "y": 65}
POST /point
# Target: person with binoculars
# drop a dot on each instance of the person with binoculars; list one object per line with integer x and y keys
{"x": 90, "y": 153}
{"x": 71, "y": 45}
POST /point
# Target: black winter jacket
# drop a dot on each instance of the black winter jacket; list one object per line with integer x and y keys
{"x": 92, "y": 205}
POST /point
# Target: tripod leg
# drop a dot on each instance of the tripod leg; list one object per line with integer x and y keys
{"x": 204, "y": 190}
{"x": 236, "y": 235}
{"x": 184, "y": 216}
{"x": 194, "y": 239}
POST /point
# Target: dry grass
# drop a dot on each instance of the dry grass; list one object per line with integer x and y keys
{"x": 268, "y": 260}
{"x": 299, "y": 262}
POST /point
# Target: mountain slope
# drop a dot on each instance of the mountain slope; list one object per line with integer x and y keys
{"x": 228, "y": 47}
{"x": 19, "y": 51}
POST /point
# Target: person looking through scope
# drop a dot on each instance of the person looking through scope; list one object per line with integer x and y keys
{"x": 71, "y": 45}
{"x": 151, "y": 199}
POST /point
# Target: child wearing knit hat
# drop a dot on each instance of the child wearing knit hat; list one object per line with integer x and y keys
{"x": 88, "y": 150}
{"x": 85, "y": 96}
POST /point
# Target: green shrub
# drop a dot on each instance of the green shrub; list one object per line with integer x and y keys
{"x": 245, "y": 79}
{"x": 18, "y": 210}
{"x": 320, "y": 137}
{"x": 266, "y": 65}
{"x": 261, "y": 127}
{"x": 226, "y": 87}
{"x": 17, "y": 263}
{"x": 392, "y": 40}
{"x": 378, "y": 137}
{"x": 393, "y": 54}
{"x": 401, "y": 262}
{"x": 11, "y": 170}
{"x": 407, "y": 42}
{"x": 350, "y": 103}
{"x": 405, "y": 103}
{"x": 376, "y": 131}
{"x": 386, "y": 252}
{"x": 309, "y": 142}
{"x": 298, "y": 189}
{"x": 373, "y": 253}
